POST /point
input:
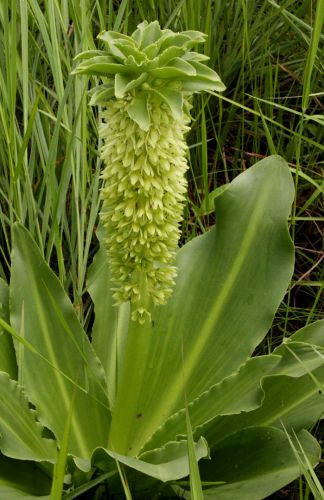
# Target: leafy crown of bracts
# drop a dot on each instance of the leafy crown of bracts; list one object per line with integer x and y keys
{"x": 150, "y": 62}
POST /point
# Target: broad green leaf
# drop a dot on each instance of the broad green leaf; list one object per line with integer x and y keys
{"x": 20, "y": 433}
{"x": 7, "y": 353}
{"x": 292, "y": 389}
{"x": 166, "y": 464}
{"x": 11, "y": 493}
{"x": 311, "y": 334}
{"x": 138, "y": 111}
{"x": 243, "y": 392}
{"x": 240, "y": 392}
{"x": 244, "y": 265}
{"x": 21, "y": 479}
{"x": 255, "y": 462}
{"x": 294, "y": 402}
{"x": 44, "y": 316}
{"x": 298, "y": 358}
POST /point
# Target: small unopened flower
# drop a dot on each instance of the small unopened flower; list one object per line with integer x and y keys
{"x": 147, "y": 80}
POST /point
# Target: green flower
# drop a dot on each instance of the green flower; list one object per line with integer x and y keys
{"x": 148, "y": 78}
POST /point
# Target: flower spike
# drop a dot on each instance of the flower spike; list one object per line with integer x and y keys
{"x": 147, "y": 80}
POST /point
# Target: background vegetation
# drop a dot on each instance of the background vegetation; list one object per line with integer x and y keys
{"x": 49, "y": 165}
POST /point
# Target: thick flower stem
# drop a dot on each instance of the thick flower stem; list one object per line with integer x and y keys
{"x": 128, "y": 415}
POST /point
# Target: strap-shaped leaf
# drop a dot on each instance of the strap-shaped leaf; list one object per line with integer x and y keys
{"x": 44, "y": 316}
{"x": 166, "y": 464}
{"x": 292, "y": 389}
{"x": 294, "y": 402}
{"x": 299, "y": 358}
{"x": 238, "y": 393}
{"x": 21, "y": 434}
{"x": 243, "y": 392}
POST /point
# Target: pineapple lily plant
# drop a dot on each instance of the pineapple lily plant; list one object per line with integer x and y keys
{"x": 159, "y": 388}
{"x": 148, "y": 79}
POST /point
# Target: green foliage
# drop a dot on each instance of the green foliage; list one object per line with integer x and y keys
{"x": 49, "y": 181}
{"x": 149, "y": 63}
{"x": 184, "y": 374}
